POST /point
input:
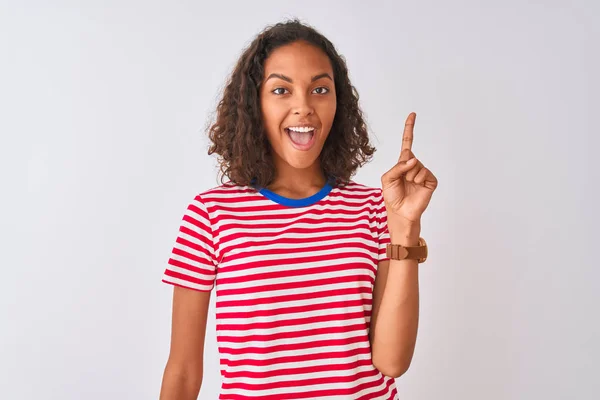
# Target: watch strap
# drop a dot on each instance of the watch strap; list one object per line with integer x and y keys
{"x": 399, "y": 252}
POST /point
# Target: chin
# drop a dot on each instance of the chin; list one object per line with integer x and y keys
{"x": 296, "y": 163}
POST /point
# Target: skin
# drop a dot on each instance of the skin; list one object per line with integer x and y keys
{"x": 183, "y": 373}
{"x": 290, "y": 95}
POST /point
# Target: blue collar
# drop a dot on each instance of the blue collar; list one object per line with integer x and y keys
{"x": 307, "y": 201}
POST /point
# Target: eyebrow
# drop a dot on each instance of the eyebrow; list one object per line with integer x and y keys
{"x": 288, "y": 79}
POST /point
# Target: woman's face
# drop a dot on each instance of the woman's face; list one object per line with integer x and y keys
{"x": 298, "y": 103}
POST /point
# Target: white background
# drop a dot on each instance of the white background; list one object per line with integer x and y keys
{"x": 103, "y": 109}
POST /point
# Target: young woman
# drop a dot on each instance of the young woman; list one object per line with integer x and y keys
{"x": 308, "y": 303}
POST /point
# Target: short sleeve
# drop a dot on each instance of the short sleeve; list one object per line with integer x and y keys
{"x": 382, "y": 228}
{"x": 192, "y": 263}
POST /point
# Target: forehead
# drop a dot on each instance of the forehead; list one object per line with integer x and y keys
{"x": 298, "y": 59}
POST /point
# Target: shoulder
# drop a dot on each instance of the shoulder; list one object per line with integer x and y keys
{"x": 368, "y": 193}
{"x": 224, "y": 192}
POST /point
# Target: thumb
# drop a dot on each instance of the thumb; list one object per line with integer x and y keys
{"x": 405, "y": 154}
{"x": 397, "y": 171}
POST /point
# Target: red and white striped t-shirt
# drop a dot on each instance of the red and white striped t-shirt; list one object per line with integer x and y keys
{"x": 294, "y": 284}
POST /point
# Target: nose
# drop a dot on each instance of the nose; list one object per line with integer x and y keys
{"x": 302, "y": 105}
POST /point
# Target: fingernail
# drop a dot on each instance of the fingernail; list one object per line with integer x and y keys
{"x": 412, "y": 160}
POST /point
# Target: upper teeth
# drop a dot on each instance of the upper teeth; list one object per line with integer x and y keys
{"x": 301, "y": 128}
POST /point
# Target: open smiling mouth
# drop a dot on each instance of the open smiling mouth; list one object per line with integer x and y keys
{"x": 302, "y": 138}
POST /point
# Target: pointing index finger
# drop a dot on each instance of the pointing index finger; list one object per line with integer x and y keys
{"x": 407, "y": 136}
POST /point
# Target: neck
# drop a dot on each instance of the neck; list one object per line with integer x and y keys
{"x": 299, "y": 180}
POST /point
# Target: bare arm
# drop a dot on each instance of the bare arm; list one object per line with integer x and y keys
{"x": 395, "y": 313}
{"x": 383, "y": 268}
{"x": 183, "y": 373}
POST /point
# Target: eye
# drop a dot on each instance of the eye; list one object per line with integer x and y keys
{"x": 324, "y": 90}
{"x": 276, "y": 89}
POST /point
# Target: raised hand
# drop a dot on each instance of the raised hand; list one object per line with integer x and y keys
{"x": 408, "y": 185}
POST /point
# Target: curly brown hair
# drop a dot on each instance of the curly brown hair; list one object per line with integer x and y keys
{"x": 238, "y": 135}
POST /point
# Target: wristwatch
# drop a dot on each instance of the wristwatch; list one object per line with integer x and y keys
{"x": 399, "y": 252}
